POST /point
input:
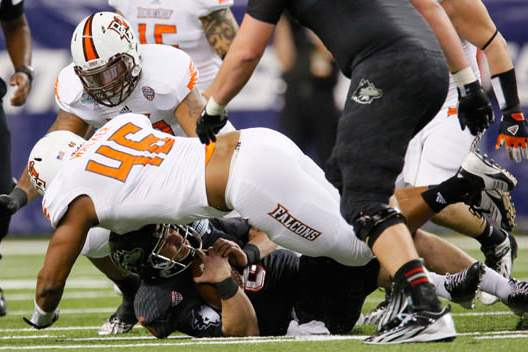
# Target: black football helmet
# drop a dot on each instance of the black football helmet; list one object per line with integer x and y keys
{"x": 140, "y": 252}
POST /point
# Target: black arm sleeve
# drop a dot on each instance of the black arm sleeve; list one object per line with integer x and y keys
{"x": 8, "y": 11}
{"x": 266, "y": 10}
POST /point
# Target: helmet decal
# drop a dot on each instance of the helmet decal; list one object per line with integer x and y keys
{"x": 90, "y": 53}
{"x": 121, "y": 28}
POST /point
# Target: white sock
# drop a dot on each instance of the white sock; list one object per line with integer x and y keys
{"x": 495, "y": 284}
{"x": 439, "y": 283}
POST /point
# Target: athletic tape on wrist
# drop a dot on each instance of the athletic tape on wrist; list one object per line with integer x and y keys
{"x": 40, "y": 317}
{"x": 464, "y": 77}
{"x": 213, "y": 108}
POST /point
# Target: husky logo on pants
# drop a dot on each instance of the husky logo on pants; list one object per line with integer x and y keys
{"x": 282, "y": 215}
{"x": 366, "y": 92}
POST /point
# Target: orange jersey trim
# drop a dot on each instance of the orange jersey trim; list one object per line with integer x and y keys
{"x": 194, "y": 76}
{"x": 451, "y": 111}
{"x": 209, "y": 150}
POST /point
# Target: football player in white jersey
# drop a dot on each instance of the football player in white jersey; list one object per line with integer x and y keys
{"x": 438, "y": 150}
{"x": 129, "y": 175}
{"x": 204, "y": 29}
{"x": 112, "y": 73}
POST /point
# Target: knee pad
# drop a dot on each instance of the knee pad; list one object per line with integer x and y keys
{"x": 370, "y": 223}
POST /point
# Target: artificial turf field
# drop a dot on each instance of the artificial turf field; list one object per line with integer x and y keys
{"x": 89, "y": 299}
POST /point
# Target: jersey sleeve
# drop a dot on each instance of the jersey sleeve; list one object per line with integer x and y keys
{"x": 205, "y": 7}
{"x": 67, "y": 89}
{"x": 266, "y": 10}
{"x": 11, "y": 9}
{"x": 175, "y": 75}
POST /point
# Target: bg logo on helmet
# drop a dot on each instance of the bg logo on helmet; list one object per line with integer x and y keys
{"x": 121, "y": 27}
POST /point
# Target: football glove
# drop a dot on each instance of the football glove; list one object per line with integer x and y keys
{"x": 10, "y": 203}
{"x": 513, "y": 134}
{"x": 40, "y": 319}
{"x": 474, "y": 108}
{"x": 211, "y": 121}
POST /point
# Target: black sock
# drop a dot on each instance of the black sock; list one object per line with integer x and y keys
{"x": 412, "y": 276}
{"x": 452, "y": 190}
{"x": 491, "y": 236}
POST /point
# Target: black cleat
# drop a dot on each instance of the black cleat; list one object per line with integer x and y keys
{"x": 499, "y": 209}
{"x": 416, "y": 326}
{"x": 463, "y": 286}
{"x": 518, "y": 299}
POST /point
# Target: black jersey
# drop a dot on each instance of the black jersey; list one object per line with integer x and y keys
{"x": 353, "y": 29}
{"x": 169, "y": 305}
{"x": 8, "y": 11}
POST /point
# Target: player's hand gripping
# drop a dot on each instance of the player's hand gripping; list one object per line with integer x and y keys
{"x": 513, "y": 134}
{"x": 474, "y": 107}
{"x": 211, "y": 121}
{"x": 216, "y": 268}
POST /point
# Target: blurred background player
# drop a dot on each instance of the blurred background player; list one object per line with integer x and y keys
{"x": 204, "y": 29}
{"x": 18, "y": 42}
{"x": 437, "y": 151}
{"x": 309, "y": 114}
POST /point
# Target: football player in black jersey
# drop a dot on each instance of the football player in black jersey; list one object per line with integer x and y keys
{"x": 398, "y": 83}
{"x": 275, "y": 281}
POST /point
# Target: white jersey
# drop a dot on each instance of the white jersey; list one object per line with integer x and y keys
{"x": 168, "y": 75}
{"x": 134, "y": 175}
{"x": 176, "y": 23}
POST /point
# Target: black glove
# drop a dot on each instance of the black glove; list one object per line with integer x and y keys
{"x": 474, "y": 108}
{"x": 209, "y": 125}
{"x": 514, "y": 134}
{"x": 10, "y": 203}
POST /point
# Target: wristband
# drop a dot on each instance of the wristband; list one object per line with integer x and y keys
{"x": 28, "y": 70}
{"x": 42, "y": 318}
{"x": 226, "y": 288}
{"x": 213, "y": 108}
{"x": 252, "y": 254}
{"x": 464, "y": 77}
{"x": 19, "y": 196}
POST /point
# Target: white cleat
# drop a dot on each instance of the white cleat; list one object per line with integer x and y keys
{"x": 479, "y": 168}
{"x": 421, "y": 326}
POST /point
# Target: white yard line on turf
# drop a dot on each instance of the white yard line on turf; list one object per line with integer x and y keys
{"x": 70, "y": 295}
{"x": 100, "y": 310}
{"x": 57, "y": 328}
{"x": 73, "y": 283}
{"x": 232, "y": 341}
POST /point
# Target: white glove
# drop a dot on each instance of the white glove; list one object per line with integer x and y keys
{"x": 313, "y": 327}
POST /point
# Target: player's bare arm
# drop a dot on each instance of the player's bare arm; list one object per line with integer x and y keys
{"x": 65, "y": 121}
{"x": 18, "y": 43}
{"x": 444, "y": 31}
{"x": 63, "y": 250}
{"x": 188, "y": 112}
{"x": 241, "y": 60}
{"x": 220, "y": 28}
{"x": 238, "y": 315}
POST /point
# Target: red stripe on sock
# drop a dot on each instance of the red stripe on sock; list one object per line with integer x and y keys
{"x": 419, "y": 281}
{"x": 414, "y": 271}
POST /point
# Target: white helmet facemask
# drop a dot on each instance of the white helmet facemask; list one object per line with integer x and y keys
{"x": 106, "y": 56}
{"x": 48, "y": 155}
